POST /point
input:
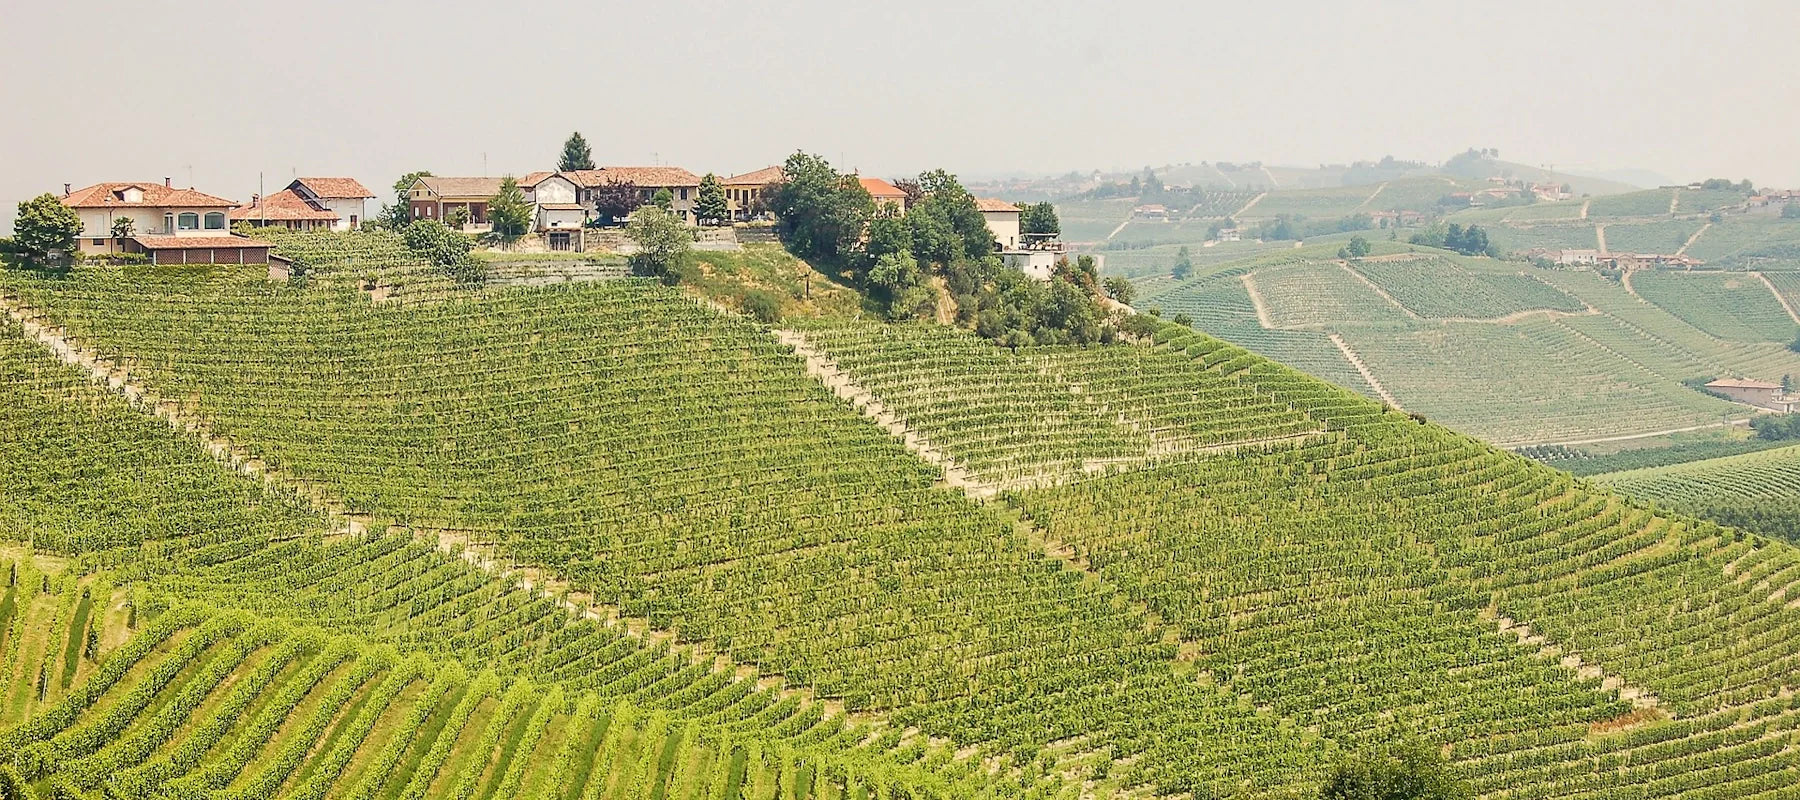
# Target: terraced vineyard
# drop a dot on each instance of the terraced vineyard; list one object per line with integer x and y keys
{"x": 602, "y": 541}
{"x": 1735, "y": 307}
{"x": 1440, "y": 287}
{"x": 1758, "y": 491}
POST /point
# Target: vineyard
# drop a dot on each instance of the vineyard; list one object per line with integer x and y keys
{"x": 599, "y": 540}
{"x": 1734, "y": 307}
{"x": 1440, "y": 287}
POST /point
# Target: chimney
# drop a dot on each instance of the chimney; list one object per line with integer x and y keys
{"x": 255, "y": 200}
{"x": 166, "y": 182}
{"x": 67, "y": 190}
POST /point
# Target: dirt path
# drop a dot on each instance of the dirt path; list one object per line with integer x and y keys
{"x": 1640, "y": 698}
{"x": 1257, "y": 302}
{"x": 1600, "y": 237}
{"x": 1378, "y": 290}
{"x": 241, "y": 459}
{"x": 1627, "y": 437}
{"x": 1115, "y": 231}
{"x": 1363, "y": 369}
{"x": 1779, "y": 298}
{"x": 1625, "y": 281}
{"x": 1372, "y": 195}
{"x": 1584, "y": 208}
{"x": 1674, "y": 201}
{"x": 1247, "y": 206}
{"x": 1273, "y": 184}
{"x": 1692, "y": 239}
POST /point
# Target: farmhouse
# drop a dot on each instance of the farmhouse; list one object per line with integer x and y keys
{"x": 433, "y": 197}
{"x": 1002, "y": 220}
{"x": 683, "y": 186}
{"x": 1761, "y": 394}
{"x": 1151, "y": 211}
{"x": 167, "y": 225}
{"x": 1230, "y": 235}
{"x": 308, "y": 204}
{"x": 744, "y": 193}
{"x": 885, "y": 194}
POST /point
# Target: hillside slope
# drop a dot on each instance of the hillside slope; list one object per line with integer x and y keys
{"x": 1253, "y": 574}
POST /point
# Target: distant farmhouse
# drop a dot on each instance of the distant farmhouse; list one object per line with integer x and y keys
{"x": 165, "y": 224}
{"x": 744, "y": 193}
{"x": 309, "y": 204}
{"x": 1761, "y": 394}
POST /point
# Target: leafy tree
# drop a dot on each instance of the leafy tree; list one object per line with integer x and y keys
{"x": 397, "y": 216}
{"x": 1787, "y": 384}
{"x": 1184, "y": 264}
{"x": 1183, "y": 320}
{"x": 888, "y": 233}
{"x": 448, "y": 250}
{"x": 508, "y": 212}
{"x": 711, "y": 206}
{"x": 1357, "y": 248}
{"x": 1407, "y": 772}
{"x": 1039, "y": 218}
{"x": 575, "y": 154}
{"x": 897, "y": 281}
{"x": 663, "y": 199}
{"x": 663, "y": 243}
{"x": 456, "y": 217}
{"x": 1120, "y": 289}
{"x": 947, "y": 224}
{"x": 821, "y": 212}
{"x": 45, "y": 225}
{"x": 615, "y": 200}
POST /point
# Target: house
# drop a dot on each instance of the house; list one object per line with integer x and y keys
{"x": 1230, "y": 235}
{"x": 345, "y": 197}
{"x": 168, "y": 225}
{"x": 1384, "y": 219}
{"x": 885, "y": 194}
{"x": 309, "y": 204}
{"x": 1002, "y": 220}
{"x": 1584, "y": 258}
{"x": 555, "y": 208}
{"x": 1151, "y": 212}
{"x": 744, "y": 193}
{"x": 1550, "y": 192}
{"x": 432, "y": 197}
{"x": 1761, "y": 394}
{"x": 1036, "y": 264}
{"x": 683, "y": 186}
{"x": 283, "y": 209}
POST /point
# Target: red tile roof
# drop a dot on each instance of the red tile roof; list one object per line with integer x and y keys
{"x": 990, "y": 204}
{"x": 881, "y": 189}
{"x": 281, "y": 206}
{"x": 641, "y": 176}
{"x": 335, "y": 188}
{"x": 197, "y": 242}
{"x": 156, "y": 195}
{"x": 761, "y": 177}
{"x": 534, "y": 178}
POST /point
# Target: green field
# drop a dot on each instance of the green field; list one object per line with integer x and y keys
{"x": 1650, "y": 237}
{"x": 1647, "y": 203}
{"x": 1329, "y": 203}
{"x": 1735, "y": 307}
{"x": 1440, "y": 287}
{"x": 1312, "y": 294}
{"x": 602, "y": 540}
{"x": 1758, "y": 491}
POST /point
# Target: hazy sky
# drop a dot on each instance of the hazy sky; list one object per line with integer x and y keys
{"x": 212, "y": 93}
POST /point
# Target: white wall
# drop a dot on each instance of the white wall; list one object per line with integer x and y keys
{"x": 1005, "y": 226}
{"x": 553, "y": 190}
{"x": 345, "y": 208}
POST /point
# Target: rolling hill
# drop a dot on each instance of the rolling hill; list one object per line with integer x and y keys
{"x": 602, "y": 540}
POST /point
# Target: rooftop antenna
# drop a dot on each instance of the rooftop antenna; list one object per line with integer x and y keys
{"x": 484, "y": 164}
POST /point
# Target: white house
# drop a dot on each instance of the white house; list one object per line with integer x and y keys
{"x": 345, "y": 197}
{"x": 1002, "y": 220}
{"x": 1038, "y": 264}
{"x": 167, "y": 225}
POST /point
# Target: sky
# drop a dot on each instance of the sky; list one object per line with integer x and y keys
{"x": 220, "y": 95}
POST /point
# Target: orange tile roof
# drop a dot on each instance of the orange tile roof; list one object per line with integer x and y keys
{"x": 462, "y": 187}
{"x": 335, "y": 188}
{"x": 197, "y": 242}
{"x": 761, "y": 177}
{"x": 281, "y": 206}
{"x": 990, "y": 204}
{"x": 641, "y": 176}
{"x": 156, "y": 195}
{"x": 534, "y": 178}
{"x": 881, "y": 189}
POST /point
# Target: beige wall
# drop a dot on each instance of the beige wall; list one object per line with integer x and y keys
{"x": 96, "y": 223}
{"x": 1005, "y": 226}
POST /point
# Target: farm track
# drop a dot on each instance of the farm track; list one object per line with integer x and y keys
{"x": 1692, "y": 239}
{"x": 1785, "y": 305}
{"x": 1674, "y": 201}
{"x": 1247, "y": 206}
{"x": 1600, "y": 238}
{"x": 1584, "y": 208}
{"x": 1376, "y": 288}
{"x": 1371, "y": 198}
{"x": 1363, "y": 369}
{"x": 1257, "y": 302}
{"x": 116, "y": 379}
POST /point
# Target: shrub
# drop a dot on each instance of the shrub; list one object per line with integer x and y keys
{"x": 762, "y": 306}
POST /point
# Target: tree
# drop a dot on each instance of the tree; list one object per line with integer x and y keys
{"x": 446, "y": 249}
{"x": 615, "y": 200}
{"x": 711, "y": 206}
{"x": 897, "y": 280}
{"x": 1039, "y": 218}
{"x": 947, "y": 224}
{"x": 508, "y": 212}
{"x": 123, "y": 228}
{"x": 1184, "y": 264}
{"x": 1407, "y": 772}
{"x": 1357, "y": 248}
{"x": 1119, "y": 289}
{"x": 1787, "y": 384}
{"x": 456, "y": 217}
{"x": 663, "y": 199}
{"x": 399, "y": 215}
{"x": 45, "y": 226}
{"x": 1182, "y": 320}
{"x": 575, "y": 154}
{"x": 762, "y": 306}
{"x": 663, "y": 243}
{"x": 821, "y": 213}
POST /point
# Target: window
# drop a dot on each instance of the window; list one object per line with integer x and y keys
{"x": 168, "y": 223}
{"x": 99, "y": 242}
{"x": 188, "y": 221}
{"x": 684, "y": 194}
{"x": 215, "y": 221}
